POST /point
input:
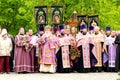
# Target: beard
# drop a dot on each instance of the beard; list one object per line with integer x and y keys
{"x": 84, "y": 33}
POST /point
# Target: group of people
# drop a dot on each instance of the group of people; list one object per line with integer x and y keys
{"x": 60, "y": 49}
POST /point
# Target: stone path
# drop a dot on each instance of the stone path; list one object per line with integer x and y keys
{"x": 60, "y": 76}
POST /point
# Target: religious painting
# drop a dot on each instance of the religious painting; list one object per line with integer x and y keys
{"x": 82, "y": 19}
{"x": 57, "y": 14}
{"x": 56, "y": 19}
{"x": 41, "y": 19}
{"x": 93, "y": 20}
{"x": 41, "y": 15}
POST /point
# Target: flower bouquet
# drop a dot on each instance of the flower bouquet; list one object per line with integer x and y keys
{"x": 74, "y": 52}
{"x": 25, "y": 40}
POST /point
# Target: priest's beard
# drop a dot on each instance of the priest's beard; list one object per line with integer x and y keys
{"x": 62, "y": 34}
{"x": 22, "y": 34}
{"x": 41, "y": 34}
{"x": 108, "y": 35}
{"x": 112, "y": 36}
{"x": 84, "y": 33}
{"x": 30, "y": 35}
{"x": 96, "y": 33}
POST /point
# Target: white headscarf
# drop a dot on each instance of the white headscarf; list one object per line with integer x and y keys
{"x": 4, "y": 31}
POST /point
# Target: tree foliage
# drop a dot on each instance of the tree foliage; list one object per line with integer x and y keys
{"x": 16, "y": 13}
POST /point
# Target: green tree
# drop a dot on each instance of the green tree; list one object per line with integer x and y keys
{"x": 16, "y": 13}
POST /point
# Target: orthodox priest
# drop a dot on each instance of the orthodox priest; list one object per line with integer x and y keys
{"x": 63, "y": 59}
{"x": 37, "y": 55}
{"x": 108, "y": 41}
{"x": 22, "y": 56}
{"x": 33, "y": 44}
{"x": 98, "y": 42}
{"x": 48, "y": 58}
{"x": 111, "y": 52}
{"x": 85, "y": 46}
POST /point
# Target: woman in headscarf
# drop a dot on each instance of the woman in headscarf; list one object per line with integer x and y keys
{"x": 5, "y": 49}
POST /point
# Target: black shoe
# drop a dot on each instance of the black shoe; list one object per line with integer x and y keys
{"x": 19, "y": 72}
{"x": 8, "y": 72}
{"x": 25, "y": 72}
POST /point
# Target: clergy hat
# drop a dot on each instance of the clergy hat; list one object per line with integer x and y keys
{"x": 108, "y": 28}
{"x": 62, "y": 27}
{"x": 91, "y": 28}
{"x": 84, "y": 26}
{"x": 56, "y": 29}
{"x": 41, "y": 28}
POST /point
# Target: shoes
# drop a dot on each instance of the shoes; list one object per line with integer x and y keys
{"x": 1, "y": 72}
{"x": 4, "y": 72}
{"x": 8, "y": 72}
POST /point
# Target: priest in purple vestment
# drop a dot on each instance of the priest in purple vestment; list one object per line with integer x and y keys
{"x": 84, "y": 44}
{"x": 63, "y": 58}
{"x": 37, "y": 55}
{"x": 107, "y": 40}
{"x": 48, "y": 52}
{"x": 111, "y": 52}
{"x": 22, "y": 55}
{"x": 99, "y": 47}
{"x": 33, "y": 44}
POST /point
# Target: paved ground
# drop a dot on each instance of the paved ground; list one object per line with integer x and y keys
{"x": 62, "y": 76}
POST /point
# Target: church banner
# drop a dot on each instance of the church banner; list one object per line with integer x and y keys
{"x": 40, "y": 15}
{"x": 93, "y": 20}
{"x": 56, "y": 14}
{"x": 82, "y": 19}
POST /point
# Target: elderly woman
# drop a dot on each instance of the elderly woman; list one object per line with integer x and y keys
{"x": 5, "y": 49}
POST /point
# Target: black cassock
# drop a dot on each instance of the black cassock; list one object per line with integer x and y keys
{"x": 93, "y": 60}
{"x": 117, "y": 62}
